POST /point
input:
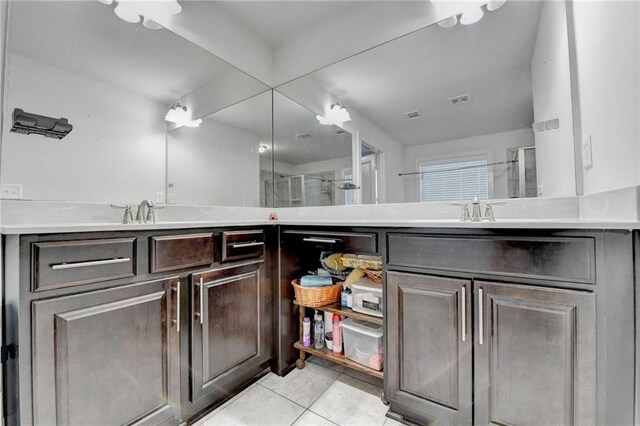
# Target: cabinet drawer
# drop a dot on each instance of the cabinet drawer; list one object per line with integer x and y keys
{"x": 238, "y": 245}
{"x": 173, "y": 252}
{"x": 59, "y": 264}
{"x": 550, "y": 258}
{"x": 348, "y": 241}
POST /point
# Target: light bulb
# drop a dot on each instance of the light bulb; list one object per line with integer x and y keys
{"x": 472, "y": 16}
{"x": 495, "y": 5}
{"x": 262, "y": 148}
{"x": 127, "y": 12}
{"x": 449, "y": 22}
{"x": 193, "y": 123}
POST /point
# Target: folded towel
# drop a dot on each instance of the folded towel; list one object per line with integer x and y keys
{"x": 315, "y": 281}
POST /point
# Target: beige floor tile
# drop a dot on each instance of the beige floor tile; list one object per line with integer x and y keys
{"x": 364, "y": 377}
{"x": 312, "y": 419}
{"x": 326, "y": 363}
{"x": 203, "y": 420}
{"x": 302, "y": 386}
{"x": 259, "y": 407}
{"x": 391, "y": 422}
{"x": 349, "y": 401}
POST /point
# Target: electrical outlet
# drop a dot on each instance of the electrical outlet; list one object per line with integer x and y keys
{"x": 11, "y": 191}
{"x": 159, "y": 198}
{"x": 587, "y": 155}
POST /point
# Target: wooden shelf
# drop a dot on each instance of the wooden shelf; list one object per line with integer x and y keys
{"x": 338, "y": 359}
{"x": 336, "y": 308}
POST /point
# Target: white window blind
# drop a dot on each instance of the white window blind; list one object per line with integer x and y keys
{"x": 457, "y": 179}
{"x": 347, "y": 175}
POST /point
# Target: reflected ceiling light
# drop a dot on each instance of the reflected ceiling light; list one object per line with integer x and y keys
{"x": 133, "y": 11}
{"x": 471, "y": 12}
{"x": 178, "y": 114}
{"x": 262, "y": 148}
{"x": 335, "y": 114}
{"x": 495, "y": 5}
{"x": 472, "y": 16}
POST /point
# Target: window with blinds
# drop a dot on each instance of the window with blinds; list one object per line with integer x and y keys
{"x": 457, "y": 179}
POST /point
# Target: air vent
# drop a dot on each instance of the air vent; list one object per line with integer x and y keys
{"x": 460, "y": 99}
{"x": 412, "y": 115}
{"x": 340, "y": 132}
{"x": 303, "y": 135}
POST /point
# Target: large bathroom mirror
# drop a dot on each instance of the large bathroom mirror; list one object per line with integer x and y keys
{"x": 478, "y": 104}
{"x": 115, "y": 81}
{"x": 313, "y": 162}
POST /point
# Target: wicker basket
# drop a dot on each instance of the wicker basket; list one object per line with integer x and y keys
{"x": 314, "y": 297}
{"x": 375, "y": 276}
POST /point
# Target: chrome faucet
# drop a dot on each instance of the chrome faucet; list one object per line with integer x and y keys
{"x": 476, "y": 213}
{"x": 141, "y": 216}
{"x": 150, "y": 215}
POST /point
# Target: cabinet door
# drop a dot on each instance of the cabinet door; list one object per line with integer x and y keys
{"x": 535, "y": 355}
{"x": 226, "y": 326}
{"x": 107, "y": 357}
{"x": 429, "y": 342}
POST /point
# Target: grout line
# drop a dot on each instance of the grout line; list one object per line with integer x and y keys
{"x": 282, "y": 396}
{"x": 296, "y": 419}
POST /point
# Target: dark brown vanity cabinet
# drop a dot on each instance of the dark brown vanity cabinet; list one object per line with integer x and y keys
{"x": 510, "y": 327}
{"x": 107, "y": 356}
{"x": 230, "y": 327}
{"x": 534, "y": 352}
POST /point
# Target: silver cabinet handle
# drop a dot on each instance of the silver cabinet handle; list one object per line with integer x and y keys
{"x": 480, "y": 317}
{"x": 201, "y": 301}
{"x": 178, "y": 306}
{"x": 242, "y": 245}
{"x": 65, "y": 265}
{"x": 463, "y": 303}
{"x": 321, "y": 240}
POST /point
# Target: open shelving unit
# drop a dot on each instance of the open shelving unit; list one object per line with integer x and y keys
{"x": 325, "y": 353}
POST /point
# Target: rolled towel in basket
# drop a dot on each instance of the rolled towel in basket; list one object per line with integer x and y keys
{"x": 315, "y": 281}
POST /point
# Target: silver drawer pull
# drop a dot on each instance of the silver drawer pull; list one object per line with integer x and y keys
{"x": 463, "y": 299}
{"x": 201, "y": 301}
{"x": 243, "y": 245}
{"x": 480, "y": 317}
{"x": 65, "y": 265}
{"x": 320, "y": 240}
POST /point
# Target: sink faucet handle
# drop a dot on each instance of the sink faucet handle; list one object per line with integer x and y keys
{"x": 464, "y": 216}
{"x": 488, "y": 211}
{"x": 151, "y": 215}
{"x": 127, "y": 218}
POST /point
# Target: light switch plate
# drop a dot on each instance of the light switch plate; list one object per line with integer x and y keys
{"x": 587, "y": 155}
{"x": 11, "y": 191}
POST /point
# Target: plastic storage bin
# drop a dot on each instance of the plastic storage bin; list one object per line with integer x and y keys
{"x": 367, "y": 297}
{"x": 363, "y": 342}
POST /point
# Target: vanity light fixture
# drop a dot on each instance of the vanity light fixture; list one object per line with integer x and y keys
{"x": 178, "y": 114}
{"x": 335, "y": 114}
{"x": 262, "y": 148}
{"x": 472, "y": 12}
{"x": 133, "y": 11}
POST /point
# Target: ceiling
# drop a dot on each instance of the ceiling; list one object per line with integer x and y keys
{"x": 490, "y": 60}
{"x": 87, "y": 38}
{"x": 278, "y": 21}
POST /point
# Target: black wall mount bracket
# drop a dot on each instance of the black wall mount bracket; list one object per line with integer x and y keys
{"x": 27, "y": 123}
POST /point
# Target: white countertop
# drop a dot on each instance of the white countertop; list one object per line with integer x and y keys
{"x": 391, "y": 223}
{"x": 613, "y": 210}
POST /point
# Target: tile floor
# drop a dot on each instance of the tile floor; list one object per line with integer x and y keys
{"x": 323, "y": 393}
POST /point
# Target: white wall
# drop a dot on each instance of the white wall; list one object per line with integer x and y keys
{"x": 310, "y": 94}
{"x": 115, "y": 152}
{"x": 493, "y": 146}
{"x": 551, "y": 81}
{"x": 214, "y": 164}
{"x": 607, "y": 49}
